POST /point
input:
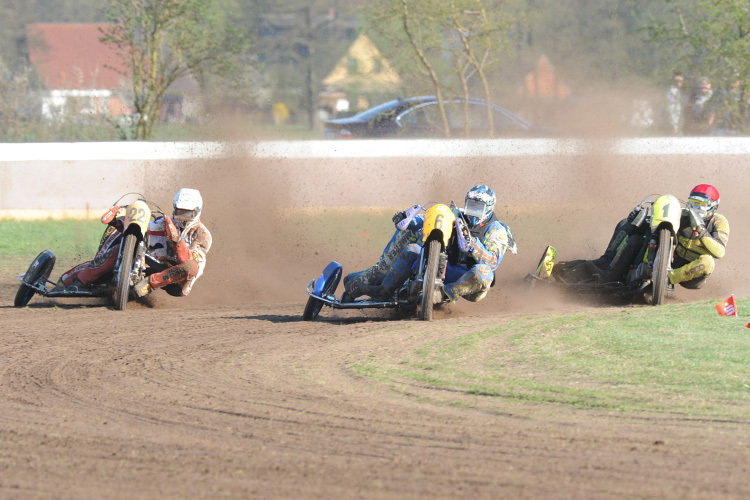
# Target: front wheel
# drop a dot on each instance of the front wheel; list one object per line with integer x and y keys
{"x": 38, "y": 273}
{"x": 430, "y": 281}
{"x": 123, "y": 273}
{"x": 661, "y": 265}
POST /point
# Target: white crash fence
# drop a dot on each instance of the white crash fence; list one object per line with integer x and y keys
{"x": 80, "y": 179}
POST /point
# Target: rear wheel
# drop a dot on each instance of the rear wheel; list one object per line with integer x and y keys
{"x": 429, "y": 284}
{"x": 661, "y": 264}
{"x": 123, "y": 274}
{"x": 38, "y": 273}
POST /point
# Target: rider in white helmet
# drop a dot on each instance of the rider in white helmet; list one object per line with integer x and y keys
{"x": 180, "y": 243}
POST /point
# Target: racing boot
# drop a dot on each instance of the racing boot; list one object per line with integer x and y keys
{"x": 142, "y": 288}
{"x": 599, "y": 274}
{"x": 449, "y": 294}
{"x": 75, "y": 286}
{"x": 380, "y": 293}
{"x": 180, "y": 274}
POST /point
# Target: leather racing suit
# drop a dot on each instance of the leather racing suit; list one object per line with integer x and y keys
{"x": 696, "y": 250}
{"x": 181, "y": 252}
{"x": 473, "y": 275}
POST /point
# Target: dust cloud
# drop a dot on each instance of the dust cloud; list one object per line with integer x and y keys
{"x": 260, "y": 212}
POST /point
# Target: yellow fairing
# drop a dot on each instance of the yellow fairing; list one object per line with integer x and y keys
{"x": 439, "y": 217}
{"x": 138, "y": 213}
{"x": 544, "y": 269}
{"x": 666, "y": 209}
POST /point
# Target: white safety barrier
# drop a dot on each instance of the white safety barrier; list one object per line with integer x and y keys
{"x": 394, "y": 148}
{"x": 79, "y": 179}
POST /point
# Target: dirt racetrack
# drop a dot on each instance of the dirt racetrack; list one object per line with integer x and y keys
{"x": 227, "y": 393}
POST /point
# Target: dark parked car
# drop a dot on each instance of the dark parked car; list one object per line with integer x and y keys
{"x": 417, "y": 117}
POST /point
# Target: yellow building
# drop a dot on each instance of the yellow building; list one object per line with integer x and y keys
{"x": 363, "y": 70}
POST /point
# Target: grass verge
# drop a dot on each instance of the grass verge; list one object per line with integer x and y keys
{"x": 70, "y": 240}
{"x": 681, "y": 358}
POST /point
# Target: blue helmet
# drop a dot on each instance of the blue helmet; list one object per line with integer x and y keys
{"x": 480, "y": 203}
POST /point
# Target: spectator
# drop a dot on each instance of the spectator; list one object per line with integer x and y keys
{"x": 729, "y": 110}
{"x": 675, "y": 104}
{"x": 700, "y": 113}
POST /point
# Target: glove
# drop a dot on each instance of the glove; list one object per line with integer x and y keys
{"x": 469, "y": 243}
{"x": 398, "y": 217}
{"x": 633, "y": 214}
{"x": 173, "y": 234}
{"x": 110, "y": 215}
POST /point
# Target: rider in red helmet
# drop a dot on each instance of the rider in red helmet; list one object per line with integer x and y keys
{"x": 701, "y": 239}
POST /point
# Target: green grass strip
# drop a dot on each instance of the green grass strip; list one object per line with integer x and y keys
{"x": 681, "y": 358}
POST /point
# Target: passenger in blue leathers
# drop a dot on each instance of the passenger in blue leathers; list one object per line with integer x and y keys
{"x": 474, "y": 273}
{"x": 470, "y": 276}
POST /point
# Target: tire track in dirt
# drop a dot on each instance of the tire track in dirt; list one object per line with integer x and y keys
{"x": 250, "y": 401}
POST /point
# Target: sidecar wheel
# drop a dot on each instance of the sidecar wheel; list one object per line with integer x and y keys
{"x": 312, "y": 309}
{"x": 38, "y": 272}
{"x": 329, "y": 280}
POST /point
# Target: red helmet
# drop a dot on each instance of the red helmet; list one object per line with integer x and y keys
{"x": 704, "y": 199}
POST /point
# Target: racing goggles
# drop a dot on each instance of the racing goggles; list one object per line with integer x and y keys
{"x": 476, "y": 208}
{"x": 703, "y": 206}
{"x": 185, "y": 215}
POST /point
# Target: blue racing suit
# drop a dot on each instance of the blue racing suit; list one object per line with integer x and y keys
{"x": 473, "y": 275}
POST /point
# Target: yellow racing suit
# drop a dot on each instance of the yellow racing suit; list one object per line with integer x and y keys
{"x": 697, "y": 249}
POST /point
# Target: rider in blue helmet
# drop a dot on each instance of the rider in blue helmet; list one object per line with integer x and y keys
{"x": 471, "y": 277}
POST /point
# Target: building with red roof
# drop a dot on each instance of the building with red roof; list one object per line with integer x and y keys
{"x": 81, "y": 74}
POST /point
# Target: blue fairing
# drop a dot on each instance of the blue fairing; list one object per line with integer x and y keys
{"x": 328, "y": 280}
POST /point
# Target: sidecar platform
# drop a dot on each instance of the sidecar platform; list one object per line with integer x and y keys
{"x": 335, "y": 303}
{"x": 41, "y": 289}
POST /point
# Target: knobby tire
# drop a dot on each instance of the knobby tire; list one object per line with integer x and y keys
{"x": 40, "y": 269}
{"x": 312, "y": 308}
{"x": 429, "y": 281}
{"x": 123, "y": 274}
{"x": 661, "y": 266}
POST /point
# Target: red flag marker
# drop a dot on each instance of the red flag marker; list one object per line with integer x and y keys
{"x": 727, "y": 307}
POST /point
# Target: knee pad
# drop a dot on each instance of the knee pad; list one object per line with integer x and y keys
{"x": 690, "y": 274}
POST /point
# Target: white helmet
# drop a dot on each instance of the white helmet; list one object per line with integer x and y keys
{"x": 187, "y": 205}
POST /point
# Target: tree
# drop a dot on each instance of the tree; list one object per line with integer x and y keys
{"x": 163, "y": 41}
{"x": 483, "y": 28}
{"x": 449, "y": 41}
{"x": 712, "y": 39}
{"x": 300, "y": 40}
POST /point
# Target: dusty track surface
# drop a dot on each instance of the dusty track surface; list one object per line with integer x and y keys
{"x": 229, "y": 394}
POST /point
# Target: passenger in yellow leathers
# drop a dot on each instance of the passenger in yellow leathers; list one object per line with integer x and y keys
{"x": 700, "y": 240}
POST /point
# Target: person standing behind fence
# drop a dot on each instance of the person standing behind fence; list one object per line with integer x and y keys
{"x": 730, "y": 115}
{"x": 675, "y": 104}
{"x": 700, "y": 112}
